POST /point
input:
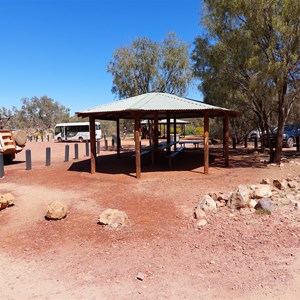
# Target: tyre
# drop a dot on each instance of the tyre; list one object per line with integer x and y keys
{"x": 59, "y": 139}
{"x": 80, "y": 139}
{"x": 20, "y": 137}
{"x": 290, "y": 142}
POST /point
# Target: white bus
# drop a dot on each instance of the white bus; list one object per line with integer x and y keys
{"x": 78, "y": 132}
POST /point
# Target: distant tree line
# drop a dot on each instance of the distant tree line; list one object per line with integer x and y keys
{"x": 36, "y": 115}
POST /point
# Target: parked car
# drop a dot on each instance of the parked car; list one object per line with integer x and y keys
{"x": 255, "y": 133}
{"x": 290, "y": 132}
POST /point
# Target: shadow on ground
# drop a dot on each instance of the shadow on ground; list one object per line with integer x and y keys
{"x": 189, "y": 160}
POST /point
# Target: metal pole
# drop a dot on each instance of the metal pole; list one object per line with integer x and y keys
{"x": 234, "y": 143}
{"x": 297, "y": 143}
{"x": 28, "y": 159}
{"x": 48, "y": 156}
{"x": 87, "y": 150}
{"x": 246, "y": 142}
{"x": 255, "y": 142}
{"x": 98, "y": 147}
{"x": 76, "y": 151}
{"x": 67, "y": 148}
{"x": 1, "y": 165}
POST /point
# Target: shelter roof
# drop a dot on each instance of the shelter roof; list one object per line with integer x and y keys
{"x": 147, "y": 104}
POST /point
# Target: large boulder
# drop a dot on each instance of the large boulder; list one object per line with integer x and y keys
{"x": 207, "y": 204}
{"x": 6, "y": 200}
{"x": 56, "y": 211}
{"x": 240, "y": 197}
{"x": 113, "y": 218}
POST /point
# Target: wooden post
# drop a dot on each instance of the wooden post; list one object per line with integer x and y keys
{"x": 137, "y": 145}
{"x": 168, "y": 131}
{"x": 155, "y": 138}
{"x": 118, "y": 138}
{"x": 175, "y": 131}
{"x": 226, "y": 139}
{"x": 93, "y": 144}
{"x": 206, "y": 142}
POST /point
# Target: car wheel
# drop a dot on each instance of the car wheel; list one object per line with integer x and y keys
{"x": 59, "y": 139}
{"x": 80, "y": 139}
{"x": 290, "y": 142}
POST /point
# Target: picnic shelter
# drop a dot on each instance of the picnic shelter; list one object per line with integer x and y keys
{"x": 157, "y": 106}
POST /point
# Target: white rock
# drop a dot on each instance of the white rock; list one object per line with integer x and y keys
{"x": 207, "y": 203}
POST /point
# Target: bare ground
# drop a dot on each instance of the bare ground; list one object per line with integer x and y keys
{"x": 232, "y": 257}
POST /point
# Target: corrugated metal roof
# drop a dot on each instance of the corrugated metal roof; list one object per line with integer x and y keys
{"x": 152, "y": 102}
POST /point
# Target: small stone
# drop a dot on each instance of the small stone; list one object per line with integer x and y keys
{"x": 113, "y": 218}
{"x": 201, "y": 223}
{"x": 265, "y": 181}
{"x": 140, "y": 276}
{"x": 56, "y": 211}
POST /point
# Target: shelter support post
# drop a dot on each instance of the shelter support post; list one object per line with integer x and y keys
{"x": 168, "y": 131}
{"x": 155, "y": 137}
{"x": 226, "y": 139}
{"x": 137, "y": 145}
{"x": 206, "y": 143}
{"x": 118, "y": 138}
{"x": 175, "y": 132}
{"x": 93, "y": 143}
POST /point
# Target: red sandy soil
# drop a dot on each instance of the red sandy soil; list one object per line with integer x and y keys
{"x": 234, "y": 256}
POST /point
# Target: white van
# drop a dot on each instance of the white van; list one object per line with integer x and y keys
{"x": 78, "y": 132}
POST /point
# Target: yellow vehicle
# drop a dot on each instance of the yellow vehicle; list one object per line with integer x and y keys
{"x": 11, "y": 142}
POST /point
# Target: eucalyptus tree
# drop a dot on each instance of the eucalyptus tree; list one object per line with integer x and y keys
{"x": 146, "y": 66}
{"x": 251, "y": 58}
{"x": 43, "y": 113}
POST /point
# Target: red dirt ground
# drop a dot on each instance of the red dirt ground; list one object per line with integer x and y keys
{"x": 234, "y": 256}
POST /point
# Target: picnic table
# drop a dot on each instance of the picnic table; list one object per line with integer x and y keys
{"x": 196, "y": 143}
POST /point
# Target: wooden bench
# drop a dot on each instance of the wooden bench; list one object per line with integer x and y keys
{"x": 145, "y": 151}
{"x": 174, "y": 154}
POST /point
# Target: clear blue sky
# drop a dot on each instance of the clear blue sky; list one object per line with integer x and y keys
{"x": 61, "y": 48}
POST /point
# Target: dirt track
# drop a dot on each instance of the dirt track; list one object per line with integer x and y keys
{"x": 240, "y": 257}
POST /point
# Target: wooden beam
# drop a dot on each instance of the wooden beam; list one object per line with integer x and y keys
{"x": 226, "y": 139}
{"x": 137, "y": 145}
{"x": 93, "y": 143}
{"x": 206, "y": 143}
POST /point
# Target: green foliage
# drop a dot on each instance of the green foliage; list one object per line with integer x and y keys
{"x": 146, "y": 66}
{"x": 37, "y": 114}
{"x": 252, "y": 64}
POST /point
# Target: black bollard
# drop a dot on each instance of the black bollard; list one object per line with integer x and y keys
{"x": 297, "y": 143}
{"x": 246, "y": 142}
{"x": 67, "y": 150}
{"x": 48, "y": 138}
{"x": 48, "y": 156}
{"x": 234, "y": 143}
{"x": 255, "y": 142}
{"x": 76, "y": 151}
{"x": 42, "y": 138}
{"x": 28, "y": 159}
{"x": 98, "y": 147}
{"x": 87, "y": 152}
{"x": 113, "y": 142}
{"x": 106, "y": 144}
{"x": 1, "y": 165}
